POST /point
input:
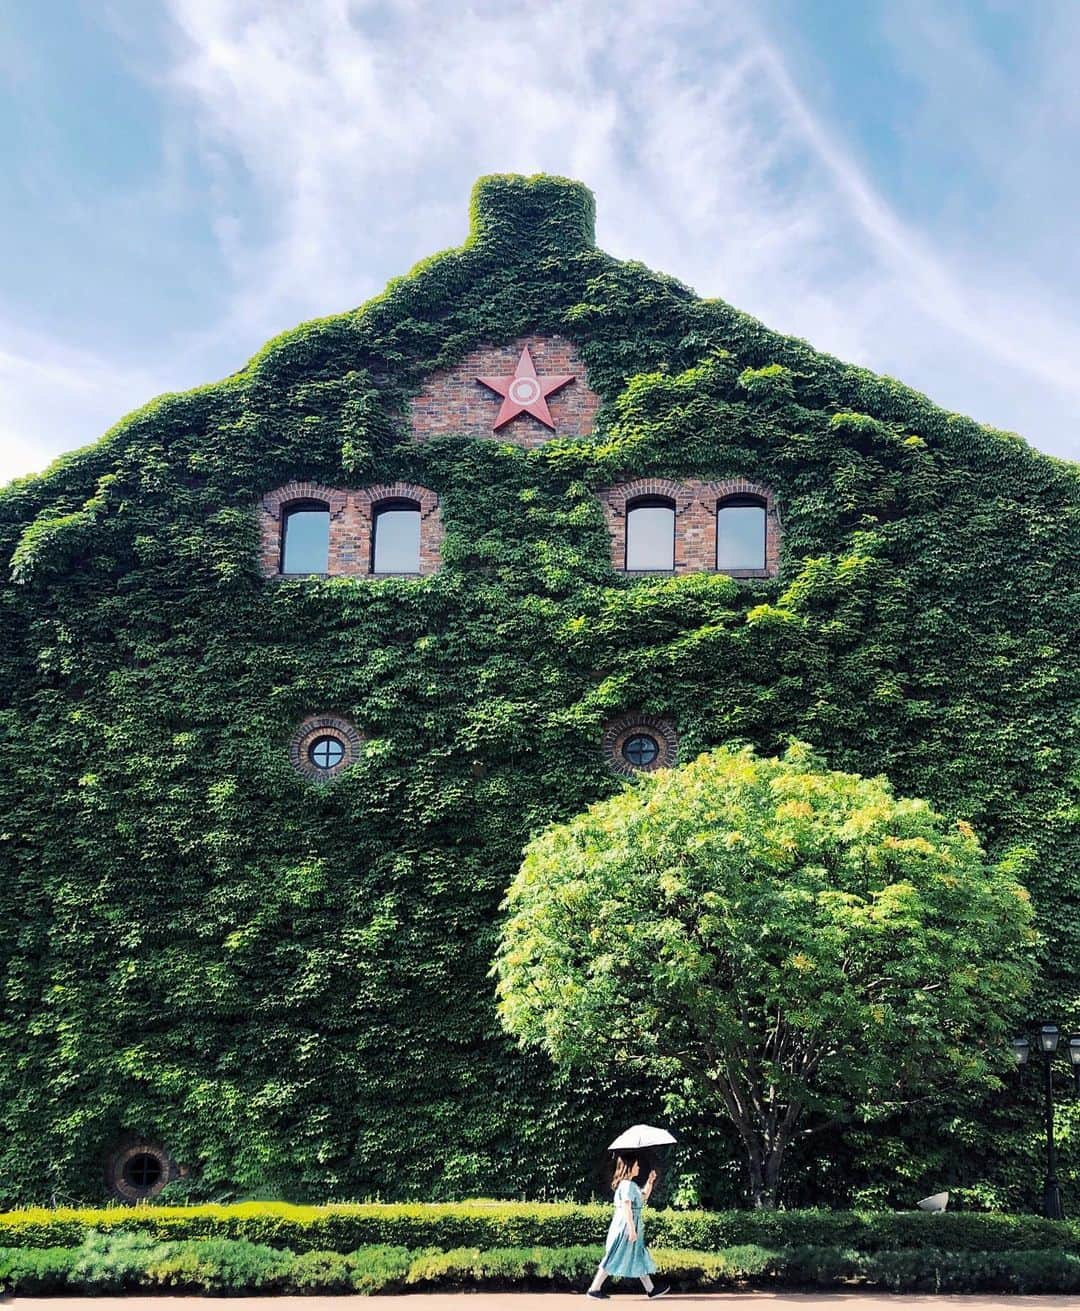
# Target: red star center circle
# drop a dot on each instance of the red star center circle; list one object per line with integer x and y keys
{"x": 524, "y": 393}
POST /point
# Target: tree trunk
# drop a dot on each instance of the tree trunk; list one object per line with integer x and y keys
{"x": 764, "y": 1166}
{"x": 757, "y": 1182}
{"x": 764, "y": 1130}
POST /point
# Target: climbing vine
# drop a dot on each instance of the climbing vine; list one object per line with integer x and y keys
{"x": 288, "y": 985}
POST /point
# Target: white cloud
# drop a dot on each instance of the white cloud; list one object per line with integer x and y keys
{"x": 54, "y": 398}
{"x": 342, "y": 138}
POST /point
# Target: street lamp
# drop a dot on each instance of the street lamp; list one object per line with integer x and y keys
{"x": 1047, "y": 1043}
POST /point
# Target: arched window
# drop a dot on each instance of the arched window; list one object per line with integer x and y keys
{"x": 650, "y": 534}
{"x": 395, "y": 538}
{"x": 305, "y": 538}
{"x": 740, "y": 534}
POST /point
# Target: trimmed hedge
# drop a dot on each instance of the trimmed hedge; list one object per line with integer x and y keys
{"x": 128, "y": 1262}
{"x": 118, "y": 1263}
{"x": 485, "y": 1226}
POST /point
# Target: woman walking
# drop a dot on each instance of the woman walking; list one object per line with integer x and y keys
{"x": 624, "y": 1252}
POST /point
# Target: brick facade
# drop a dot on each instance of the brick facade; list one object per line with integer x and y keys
{"x": 453, "y": 401}
{"x": 695, "y": 521}
{"x": 352, "y": 515}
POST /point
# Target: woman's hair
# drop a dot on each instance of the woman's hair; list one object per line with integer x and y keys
{"x": 624, "y": 1165}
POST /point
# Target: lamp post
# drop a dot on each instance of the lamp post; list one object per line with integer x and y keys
{"x": 1047, "y": 1043}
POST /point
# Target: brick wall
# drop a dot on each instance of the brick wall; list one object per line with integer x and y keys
{"x": 695, "y": 520}
{"x": 453, "y": 401}
{"x": 351, "y": 521}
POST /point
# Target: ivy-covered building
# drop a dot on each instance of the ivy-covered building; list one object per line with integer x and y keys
{"x": 294, "y": 663}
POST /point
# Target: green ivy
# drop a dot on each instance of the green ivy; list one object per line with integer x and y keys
{"x": 287, "y": 985}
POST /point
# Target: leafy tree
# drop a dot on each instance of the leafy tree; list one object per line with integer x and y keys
{"x": 790, "y": 943}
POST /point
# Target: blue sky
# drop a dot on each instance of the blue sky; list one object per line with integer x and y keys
{"x": 894, "y": 180}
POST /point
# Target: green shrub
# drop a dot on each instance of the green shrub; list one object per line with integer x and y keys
{"x": 958, "y": 1231}
{"x": 341, "y": 1228}
{"x": 573, "y": 1267}
{"x": 34, "y": 1269}
{"x": 814, "y": 1266}
{"x": 723, "y": 1269}
{"x": 137, "y": 1262}
{"x": 864, "y": 1231}
{"x": 499, "y": 1267}
{"x": 114, "y": 1263}
{"x": 377, "y": 1269}
{"x": 1042, "y": 1272}
{"x": 489, "y": 1225}
{"x": 218, "y": 1265}
{"x": 931, "y": 1270}
{"x": 320, "y": 1272}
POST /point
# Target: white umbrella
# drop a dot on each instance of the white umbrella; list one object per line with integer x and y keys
{"x": 641, "y": 1135}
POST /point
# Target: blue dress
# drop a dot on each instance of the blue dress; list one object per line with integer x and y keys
{"x": 621, "y": 1256}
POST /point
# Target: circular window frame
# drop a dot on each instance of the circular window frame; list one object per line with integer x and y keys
{"x": 317, "y": 726}
{"x": 620, "y": 730}
{"x": 116, "y": 1178}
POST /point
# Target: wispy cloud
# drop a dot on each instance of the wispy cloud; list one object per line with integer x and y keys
{"x": 55, "y": 397}
{"x": 341, "y": 139}
{"x": 983, "y": 307}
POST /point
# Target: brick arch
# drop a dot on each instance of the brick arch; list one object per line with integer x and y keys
{"x": 116, "y": 1178}
{"x": 423, "y": 496}
{"x": 431, "y": 529}
{"x": 713, "y": 492}
{"x": 282, "y": 497}
{"x": 617, "y": 497}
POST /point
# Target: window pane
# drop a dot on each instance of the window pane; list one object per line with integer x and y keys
{"x": 326, "y": 752}
{"x": 650, "y": 537}
{"x": 397, "y": 542}
{"x": 640, "y": 750}
{"x": 740, "y": 537}
{"x": 307, "y": 542}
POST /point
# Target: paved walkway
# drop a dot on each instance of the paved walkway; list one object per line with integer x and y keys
{"x": 559, "y": 1302}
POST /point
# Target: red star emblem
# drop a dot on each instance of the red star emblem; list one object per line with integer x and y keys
{"x": 524, "y": 393}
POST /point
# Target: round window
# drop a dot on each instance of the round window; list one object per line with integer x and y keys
{"x": 139, "y": 1170}
{"x": 326, "y": 752}
{"x": 142, "y": 1171}
{"x": 323, "y": 747}
{"x": 636, "y": 743}
{"x": 640, "y": 750}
